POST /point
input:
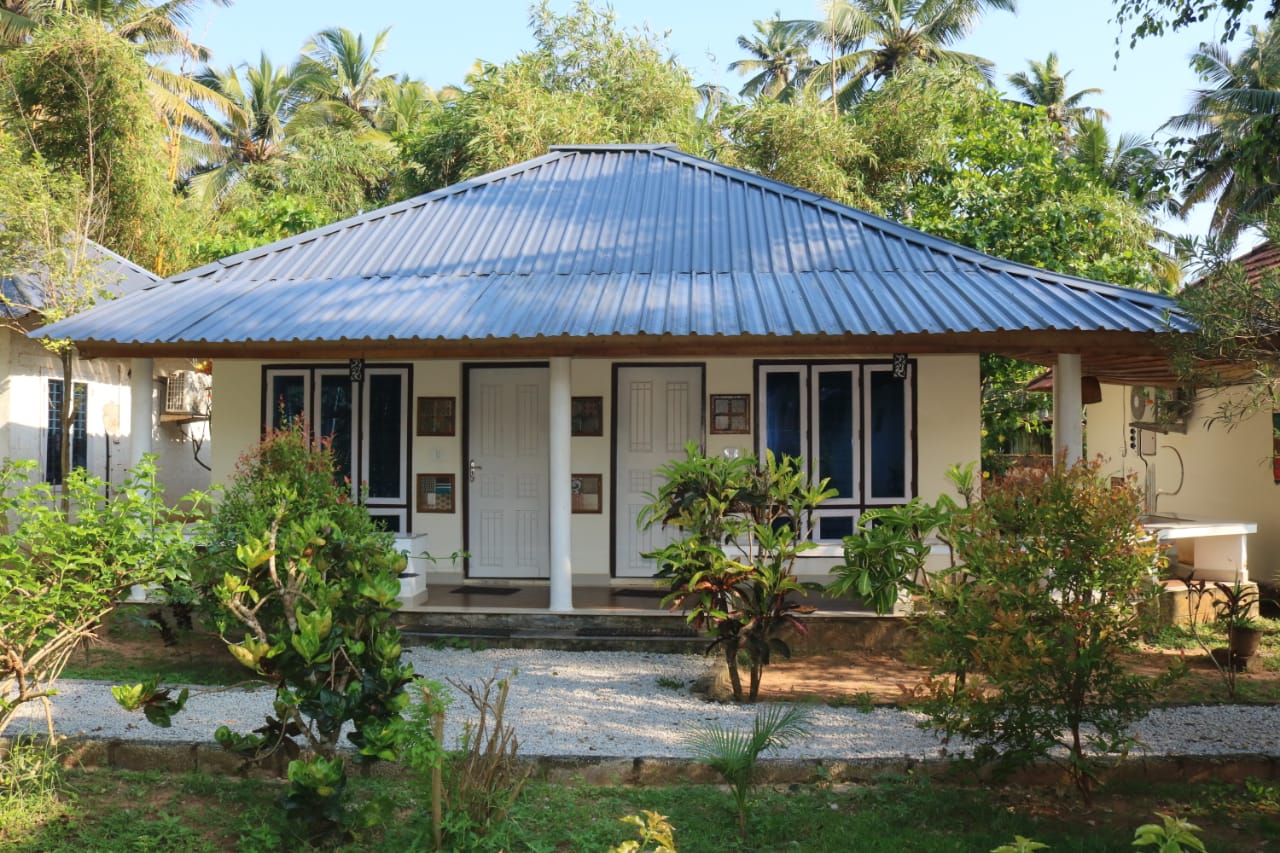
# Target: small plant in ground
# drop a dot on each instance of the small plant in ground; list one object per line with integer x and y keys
{"x": 734, "y": 754}
{"x": 1052, "y": 578}
{"x": 1021, "y": 844}
{"x": 885, "y": 557}
{"x": 656, "y": 835}
{"x": 740, "y": 531}
{"x": 669, "y": 682}
{"x": 1234, "y": 606}
{"x": 1171, "y": 835}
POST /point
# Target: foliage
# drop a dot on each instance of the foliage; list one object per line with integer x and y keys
{"x": 1234, "y": 606}
{"x": 586, "y": 81}
{"x": 732, "y": 566}
{"x": 68, "y": 560}
{"x": 1155, "y": 17}
{"x": 886, "y": 554}
{"x": 1053, "y": 572}
{"x": 800, "y": 143}
{"x": 79, "y": 95}
{"x": 1171, "y": 835}
{"x": 654, "y": 829}
{"x": 1232, "y": 154}
{"x": 870, "y": 41}
{"x": 1233, "y": 344}
{"x": 247, "y": 226}
{"x": 307, "y": 580}
{"x": 733, "y": 754}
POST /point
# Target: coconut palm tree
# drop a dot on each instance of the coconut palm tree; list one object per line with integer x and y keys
{"x": 344, "y": 81}
{"x": 868, "y": 41}
{"x": 405, "y": 103}
{"x": 1045, "y": 85}
{"x": 1233, "y": 158}
{"x": 1130, "y": 165}
{"x": 265, "y": 98}
{"x": 779, "y": 59}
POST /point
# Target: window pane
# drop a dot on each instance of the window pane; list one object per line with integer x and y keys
{"x": 385, "y": 430}
{"x": 53, "y": 435}
{"x": 887, "y": 423}
{"x": 835, "y": 431}
{"x": 782, "y": 413}
{"x": 80, "y": 426}
{"x": 288, "y": 400}
{"x": 334, "y": 422}
{"x": 834, "y": 526}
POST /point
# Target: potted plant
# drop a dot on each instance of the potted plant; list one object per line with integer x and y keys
{"x": 1236, "y": 608}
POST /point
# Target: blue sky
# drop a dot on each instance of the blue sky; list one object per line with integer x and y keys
{"x": 438, "y": 41}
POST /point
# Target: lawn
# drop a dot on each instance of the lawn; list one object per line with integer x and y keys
{"x": 122, "y": 811}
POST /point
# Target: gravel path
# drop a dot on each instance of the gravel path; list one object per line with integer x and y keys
{"x": 609, "y": 704}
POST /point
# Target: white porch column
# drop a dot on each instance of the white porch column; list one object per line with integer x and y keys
{"x": 1068, "y": 434}
{"x": 561, "y": 485}
{"x": 142, "y": 408}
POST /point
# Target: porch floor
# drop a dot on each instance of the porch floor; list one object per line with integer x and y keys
{"x": 606, "y": 618}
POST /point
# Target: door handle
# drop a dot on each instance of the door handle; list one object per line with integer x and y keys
{"x": 472, "y": 468}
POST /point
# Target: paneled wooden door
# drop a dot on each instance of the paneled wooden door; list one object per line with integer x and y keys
{"x": 658, "y": 409}
{"x": 507, "y": 472}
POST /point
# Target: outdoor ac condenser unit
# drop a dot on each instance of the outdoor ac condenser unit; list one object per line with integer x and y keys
{"x": 187, "y": 393}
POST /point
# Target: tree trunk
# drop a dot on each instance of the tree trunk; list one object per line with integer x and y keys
{"x": 731, "y": 662}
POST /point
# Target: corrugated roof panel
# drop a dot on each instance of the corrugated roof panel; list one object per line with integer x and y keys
{"x": 605, "y": 241}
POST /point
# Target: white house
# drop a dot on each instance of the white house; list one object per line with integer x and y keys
{"x": 109, "y": 433}
{"x": 505, "y": 362}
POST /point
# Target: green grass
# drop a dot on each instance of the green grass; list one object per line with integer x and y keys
{"x": 122, "y": 811}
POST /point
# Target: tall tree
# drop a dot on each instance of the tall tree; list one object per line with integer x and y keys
{"x": 779, "y": 59}
{"x": 585, "y": 81}
{"x": 265, "y": 98}
{"x": 342, "y": 77}
{"x": 1233, "y": 156}
{"x": 868, "y": 41}
{"x": 78, "y": 97}
{"x": 1044, "y": 84}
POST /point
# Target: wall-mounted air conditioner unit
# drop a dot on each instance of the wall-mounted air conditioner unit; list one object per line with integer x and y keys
{"x": 187, "y": 393}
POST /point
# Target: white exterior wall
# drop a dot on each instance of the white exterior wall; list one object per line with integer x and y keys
{"x": 947, "y": 429}
{"x": 25, "y": 370}
{"x": 1228, "y": 472}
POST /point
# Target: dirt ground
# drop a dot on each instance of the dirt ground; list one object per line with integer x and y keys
{"x": 886, "y": 679}
{"x": 879, "y": 677}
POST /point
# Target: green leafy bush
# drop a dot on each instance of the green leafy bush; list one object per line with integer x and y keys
{"x": 1053, "y": 570}
{"x": 68, "y": 558}
{"x": 733, "y": 566}
{"x": 302, "y": 585}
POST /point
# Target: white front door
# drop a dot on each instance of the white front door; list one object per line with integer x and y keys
{"x": 507, "y": 473}
{"x": 657, "y": 410}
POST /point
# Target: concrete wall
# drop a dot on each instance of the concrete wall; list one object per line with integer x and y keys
{"x": 1228, "y": 472}
{"x": 25, "y": 370}
{"x": 947, "y": 422}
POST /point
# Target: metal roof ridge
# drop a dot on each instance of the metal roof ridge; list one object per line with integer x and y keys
{"x": 615, "y": 146}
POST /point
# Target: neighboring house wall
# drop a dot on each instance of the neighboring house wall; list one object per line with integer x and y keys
{"x": 25, "y": 371}
{"x": 947, "y": 423}
{"x": 1228, "y": 472}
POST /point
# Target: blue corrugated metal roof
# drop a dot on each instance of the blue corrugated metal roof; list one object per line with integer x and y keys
{"x": 612, "y": 240}
{"x": 112, "y": 273}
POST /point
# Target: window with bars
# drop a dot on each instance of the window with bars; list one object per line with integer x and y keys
{"x": 79, "y": 430}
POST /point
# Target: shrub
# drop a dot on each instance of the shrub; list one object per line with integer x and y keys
{"x": 303, "y": 584}
{"x": 68, "y": 558}
{"x": 733, "y": 566}
{"x": 1053, "y": 570}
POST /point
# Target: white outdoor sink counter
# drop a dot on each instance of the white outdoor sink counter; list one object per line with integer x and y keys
{"x": 1218, "y": 548}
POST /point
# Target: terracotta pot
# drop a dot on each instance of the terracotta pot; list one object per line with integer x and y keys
{"x": 1244, "y": 640}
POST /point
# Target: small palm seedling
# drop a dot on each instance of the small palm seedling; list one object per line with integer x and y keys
{"x": 733, "y": 753}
